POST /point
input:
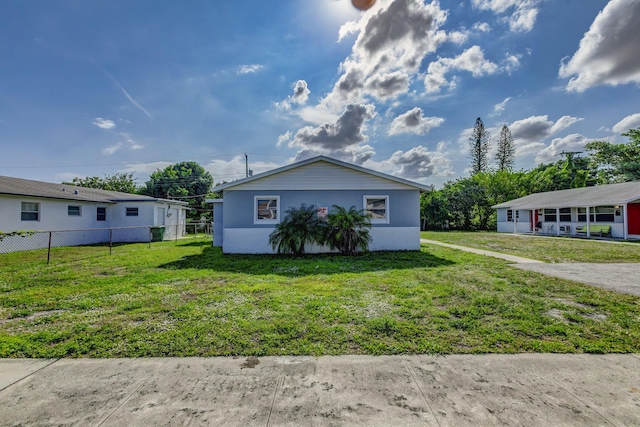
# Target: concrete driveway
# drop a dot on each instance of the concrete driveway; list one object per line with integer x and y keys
{"x": 623, "y": 278}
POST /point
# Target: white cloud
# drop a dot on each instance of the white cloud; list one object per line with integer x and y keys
{"x": 471, "y": 60}
{"x": 483, "y": 27}
{"x": 413, "y": 122}
{"x": 608, "y": 52}
{"x": 300, "y": 95}
{"x": 574, "y": 142}
{"x": 231, "y": 170}
{"x": 283, "y": 139}
{"x": 128, "y": 142}
{"x": 104, "y": 123}
{"x": 629, "y": 122}
{"x": 111, "y": 149}
{"x": 499, "y": 108}
{"x": 523, "y": 13}
{"x": 388, "y": 52}
{"x": 416, "y": 164}
{"x": 249, "y": 69}
{"x": 536, "y": 128}
{"x": 335, "y": 137}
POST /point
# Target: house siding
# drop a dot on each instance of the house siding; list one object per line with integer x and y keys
{"x": 238, "y": 206}
{"x": 322, "y": 176}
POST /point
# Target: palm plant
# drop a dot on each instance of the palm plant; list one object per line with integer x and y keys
{"x": 348, "y": 230}
{"x": 299, "y": 227}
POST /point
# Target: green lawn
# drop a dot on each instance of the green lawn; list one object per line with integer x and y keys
{"x": 547, "y": 248}
{"x": 186, "y": 299}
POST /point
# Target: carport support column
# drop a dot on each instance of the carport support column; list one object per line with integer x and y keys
{"x": 588, "y": 221}
{"x": 515, "y": 221}
{"x": 625, "y": 222}
{"x": 557, "y": 221}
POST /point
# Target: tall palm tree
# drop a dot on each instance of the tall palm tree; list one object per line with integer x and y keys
{"x": 348, "y": 230}
{"x": 299, "y": 227}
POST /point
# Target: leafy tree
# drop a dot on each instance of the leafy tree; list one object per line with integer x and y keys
{"x": 479, "y": 147}
{"x": 299, "y": 227}
{"x": 506, "y": 155}
{"x": 348, "y": 230}
{"x": 617, "y": 162}
{"x": 186, "y": 181}
{"x": 435, "y": 210}
{"x": 121, "y": 182}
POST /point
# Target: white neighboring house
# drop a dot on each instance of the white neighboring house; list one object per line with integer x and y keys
{"x": 42, "y": 206}
{"x": 251, "y": 207}
{"x": 560, "y": 212}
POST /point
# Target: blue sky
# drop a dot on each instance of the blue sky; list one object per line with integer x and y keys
{"x": 92, "y": 88}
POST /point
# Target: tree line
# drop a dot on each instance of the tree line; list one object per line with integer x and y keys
{"x": 465, "y": 204}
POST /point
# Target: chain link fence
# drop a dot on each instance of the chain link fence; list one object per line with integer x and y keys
{"x": 67, "y": 245}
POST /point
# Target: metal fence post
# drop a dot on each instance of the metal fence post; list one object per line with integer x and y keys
{"x": 49, "y": 249}
{"x": 110, "y": 240}
{"x": 149, "y": 237}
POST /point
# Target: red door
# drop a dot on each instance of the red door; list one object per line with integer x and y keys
{"x": 633, "y": 211}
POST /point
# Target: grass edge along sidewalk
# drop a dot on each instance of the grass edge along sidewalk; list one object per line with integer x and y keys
{"x": 191, "y": 300}
{"x": 547, "y": 248}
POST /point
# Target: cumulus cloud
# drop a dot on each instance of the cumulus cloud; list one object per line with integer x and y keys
{"x": 249, "y": 69}
{"x": 104, "y": 123}
{"x": 300, "y": 96}
{"x": 608, "y": 52}
{"x": 574, "y": 142}
{"x": 231, "y": 170}
{"x": 536, "y": 128}
{"x": 391, "y": 44}
{"x": 336, "y": 136}
{"x": 521, "y": 14}
{"x": 414, "y": 122}
{"x": 416, "y": 163}
{"x": 629, "y": 122}
{"x": 385, "y": 86}
{"x": 283, "y": 139}
{"x": 471, "y": 60}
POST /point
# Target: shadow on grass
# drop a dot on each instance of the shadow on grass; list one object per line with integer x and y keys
{"x": 212, "y": 258}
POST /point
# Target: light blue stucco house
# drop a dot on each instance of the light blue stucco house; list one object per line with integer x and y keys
{"x": 251, "y": 207}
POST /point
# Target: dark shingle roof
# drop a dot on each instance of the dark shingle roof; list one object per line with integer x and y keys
{"x": 601, "y": 195}
{"x": 27, "y": 187}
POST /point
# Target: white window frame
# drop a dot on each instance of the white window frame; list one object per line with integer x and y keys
{"x": 257, "y": 220}
{"x": 126, "y": 211}
{"x": 74, "y": 206}
{"x": 23, "y": 211}
{"x": 510, "y": 215}
{"x": 384, "y": 220}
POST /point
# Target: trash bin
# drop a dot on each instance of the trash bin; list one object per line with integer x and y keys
{"x": 157, "y": 234}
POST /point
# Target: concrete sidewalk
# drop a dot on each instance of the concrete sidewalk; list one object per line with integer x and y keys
{"x": 512, "y": 258}
{"x": 467, "y": 390}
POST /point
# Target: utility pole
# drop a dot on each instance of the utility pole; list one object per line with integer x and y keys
{"x": 246, "y": 165}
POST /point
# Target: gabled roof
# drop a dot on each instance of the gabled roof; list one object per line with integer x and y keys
{"x": 423, "y": 188}
{"x": 30, "y": 188}
{"x": 601, "y": 195}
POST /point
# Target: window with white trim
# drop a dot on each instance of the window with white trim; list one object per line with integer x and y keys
{"x": 377, "y": 207}
{"x": 30, "y": 211}
{"x": 132, "y": 212}
{"x": 74, "y": 210}
{"x": 266, "y": 209}
{"x": 510, "y": 215}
